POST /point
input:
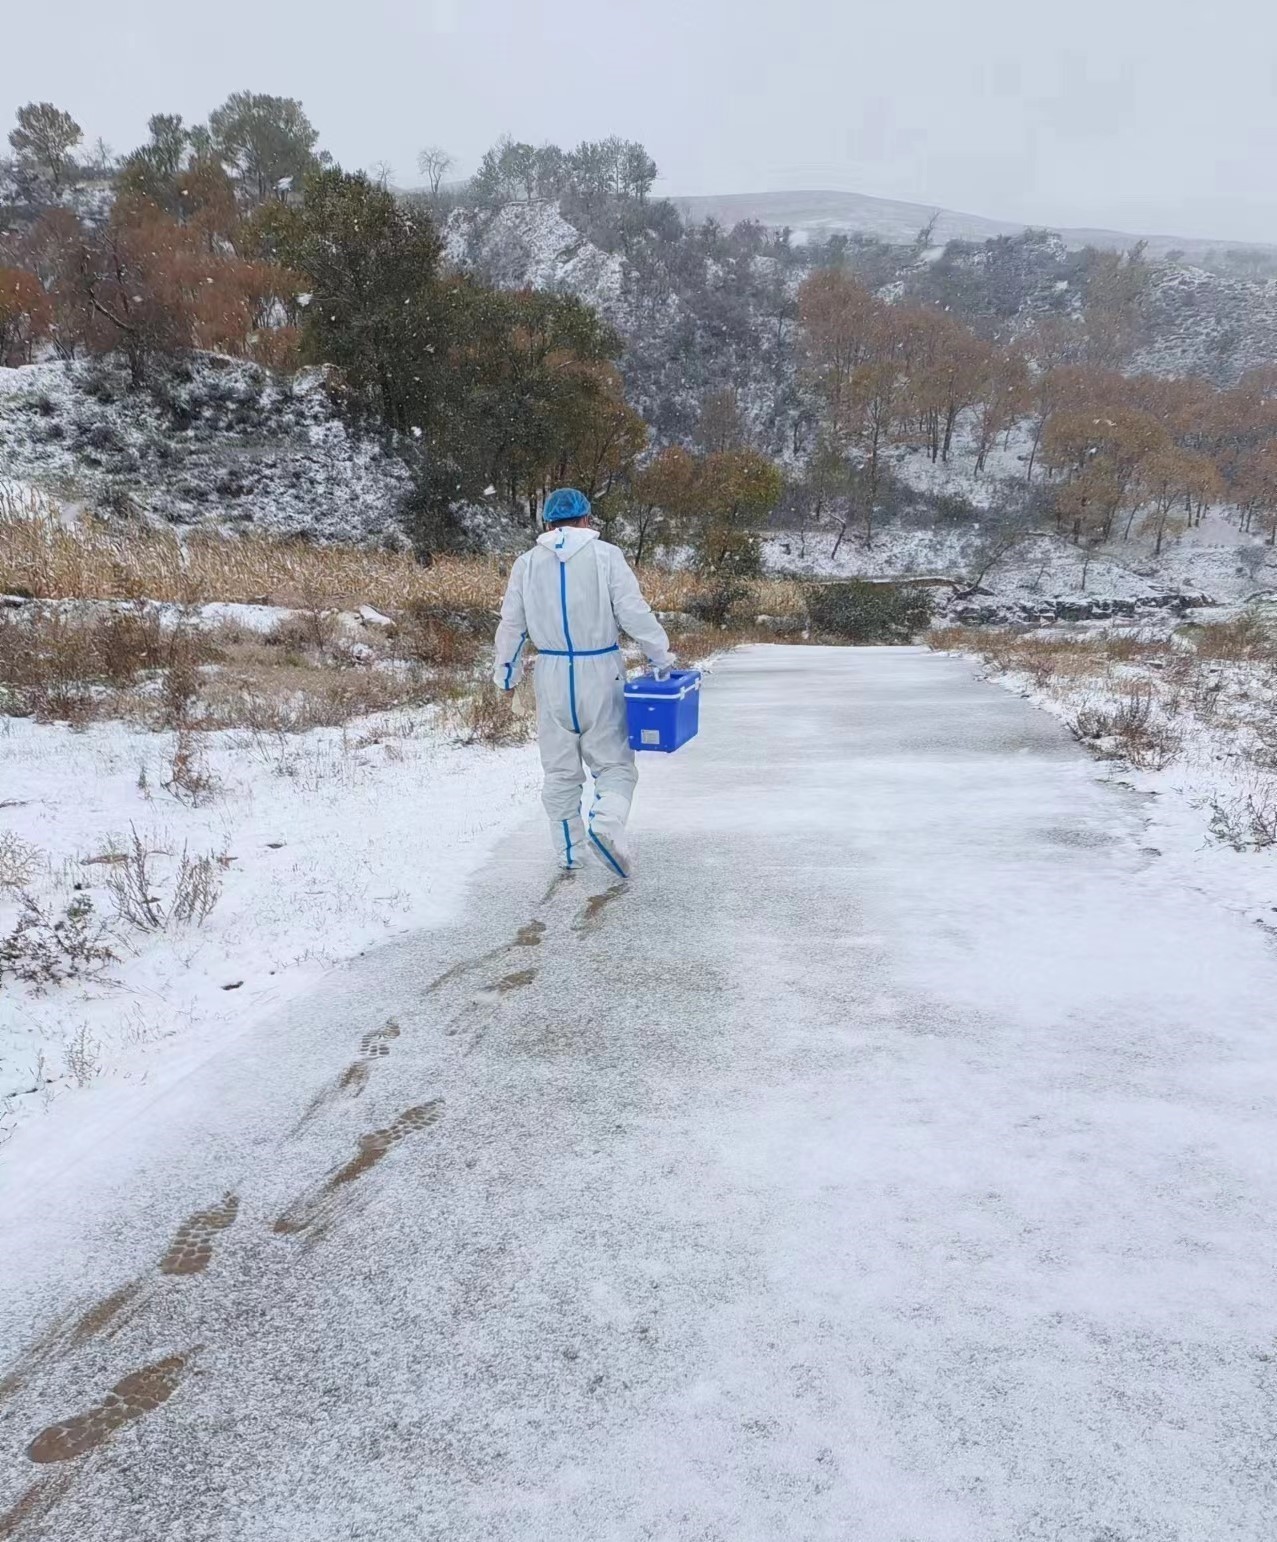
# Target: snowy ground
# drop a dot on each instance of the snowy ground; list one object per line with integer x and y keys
{"x": 324, "y": 843}
{"x": 892, "y": 1162}
{"x": 1205, "y": 761}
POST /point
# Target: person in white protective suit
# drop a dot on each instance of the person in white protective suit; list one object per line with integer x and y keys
{"x": 569, "y": 596}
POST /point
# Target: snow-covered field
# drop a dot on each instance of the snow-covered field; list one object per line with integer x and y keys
{"x": 323, "y": 844}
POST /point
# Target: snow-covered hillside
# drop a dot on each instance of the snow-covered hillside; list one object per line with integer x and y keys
{"x": 533, "y": 245}
{"x": 822, "y": 213}
{"x": 688, "y": 316}
{"x": 216, "y": 440}
{"x": 957, "y": 528}
{"x": 1201, "y": 323}
{"x": 711, "y": 322}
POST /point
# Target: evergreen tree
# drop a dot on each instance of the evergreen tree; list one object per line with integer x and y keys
{"x": 265, "y": 141}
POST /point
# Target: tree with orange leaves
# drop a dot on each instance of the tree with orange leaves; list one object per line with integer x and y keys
{"x": 662, "y": 491}
{"x": 604, "y": 435}
{"x": 50, "y": 252}
{"x": 1051, "y": 346}
{"x": 26, "y": 315}
{"x": 1101, "y": 450}
{"x": 838, "y": 317}
{"x": 1004, "y": 395}
{"x": 1166, "y": 476}
{"x": 1255, "y": 489}
{"x": 148, "y": 285}
{"x": 946, "y": 364}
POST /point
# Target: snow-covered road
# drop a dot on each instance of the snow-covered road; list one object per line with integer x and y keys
{"x": 895, "y": 1160}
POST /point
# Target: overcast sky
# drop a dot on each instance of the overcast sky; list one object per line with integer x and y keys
{"x": 1153, "y": 115}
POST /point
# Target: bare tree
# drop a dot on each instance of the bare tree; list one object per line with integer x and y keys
{"x": 991, "y": 553}
{"x": 434, "y": 164}
{"x": 926, "y": 236}
{"x": 382, "y": 173}
{"x": 102, "y": 157}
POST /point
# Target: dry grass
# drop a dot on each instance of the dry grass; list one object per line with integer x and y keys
{"x": 296, "y": 695}
{"x": 117, "y": 656}
{"x": 43, "y": 558}
{"x": 136, "y": 889}
{"x": 57, "y": 663}
{"x": 77, "y": 665}
{"x": 488, "y": 717}
{"x": 1047, "y": 657}
{"x": 19, "y": 861}
{"x": 1244, "y": 639}
{"x": 1130, "y": 726}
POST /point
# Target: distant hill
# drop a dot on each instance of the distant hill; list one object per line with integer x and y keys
{"x": 824, "y": 213}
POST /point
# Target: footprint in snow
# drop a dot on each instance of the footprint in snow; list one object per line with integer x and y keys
{"x": 191, "y": 1250}
{"x": 314, "y": 1212}
{"x": 132, "y": 1398}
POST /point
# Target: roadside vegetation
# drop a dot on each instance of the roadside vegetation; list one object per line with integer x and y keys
{"x": 1198, "y": 702}
{"x": 200, "y": 633}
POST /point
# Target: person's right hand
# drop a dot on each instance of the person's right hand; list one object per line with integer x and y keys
{"x": 662, "y": 671}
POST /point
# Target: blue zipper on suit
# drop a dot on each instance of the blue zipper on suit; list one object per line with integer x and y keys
{"x": 567, "y": 638}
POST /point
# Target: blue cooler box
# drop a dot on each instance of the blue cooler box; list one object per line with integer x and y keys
{"x": 662, "y": 714}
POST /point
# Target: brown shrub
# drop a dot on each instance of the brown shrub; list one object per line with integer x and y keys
{"x": 56, "y": 662}
{"x": 487, "y": 716}
{"x": 293, "y": 696}
{"x": 136, "y": 889}
{"x": 438, "y": 642}
{"x": 293, "y": 634}
{"x": 47, "y": 665}
{"x": 187, "y": 777}
{"x": 129, "y": 642}
{"x": 1247, "y": 822}
{"x": 1131, "y": 729}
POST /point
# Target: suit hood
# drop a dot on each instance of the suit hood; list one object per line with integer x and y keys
{"x": 566, "y": 543}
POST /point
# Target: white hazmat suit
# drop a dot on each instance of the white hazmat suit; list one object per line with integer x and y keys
{"x": 569, "y": 596}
